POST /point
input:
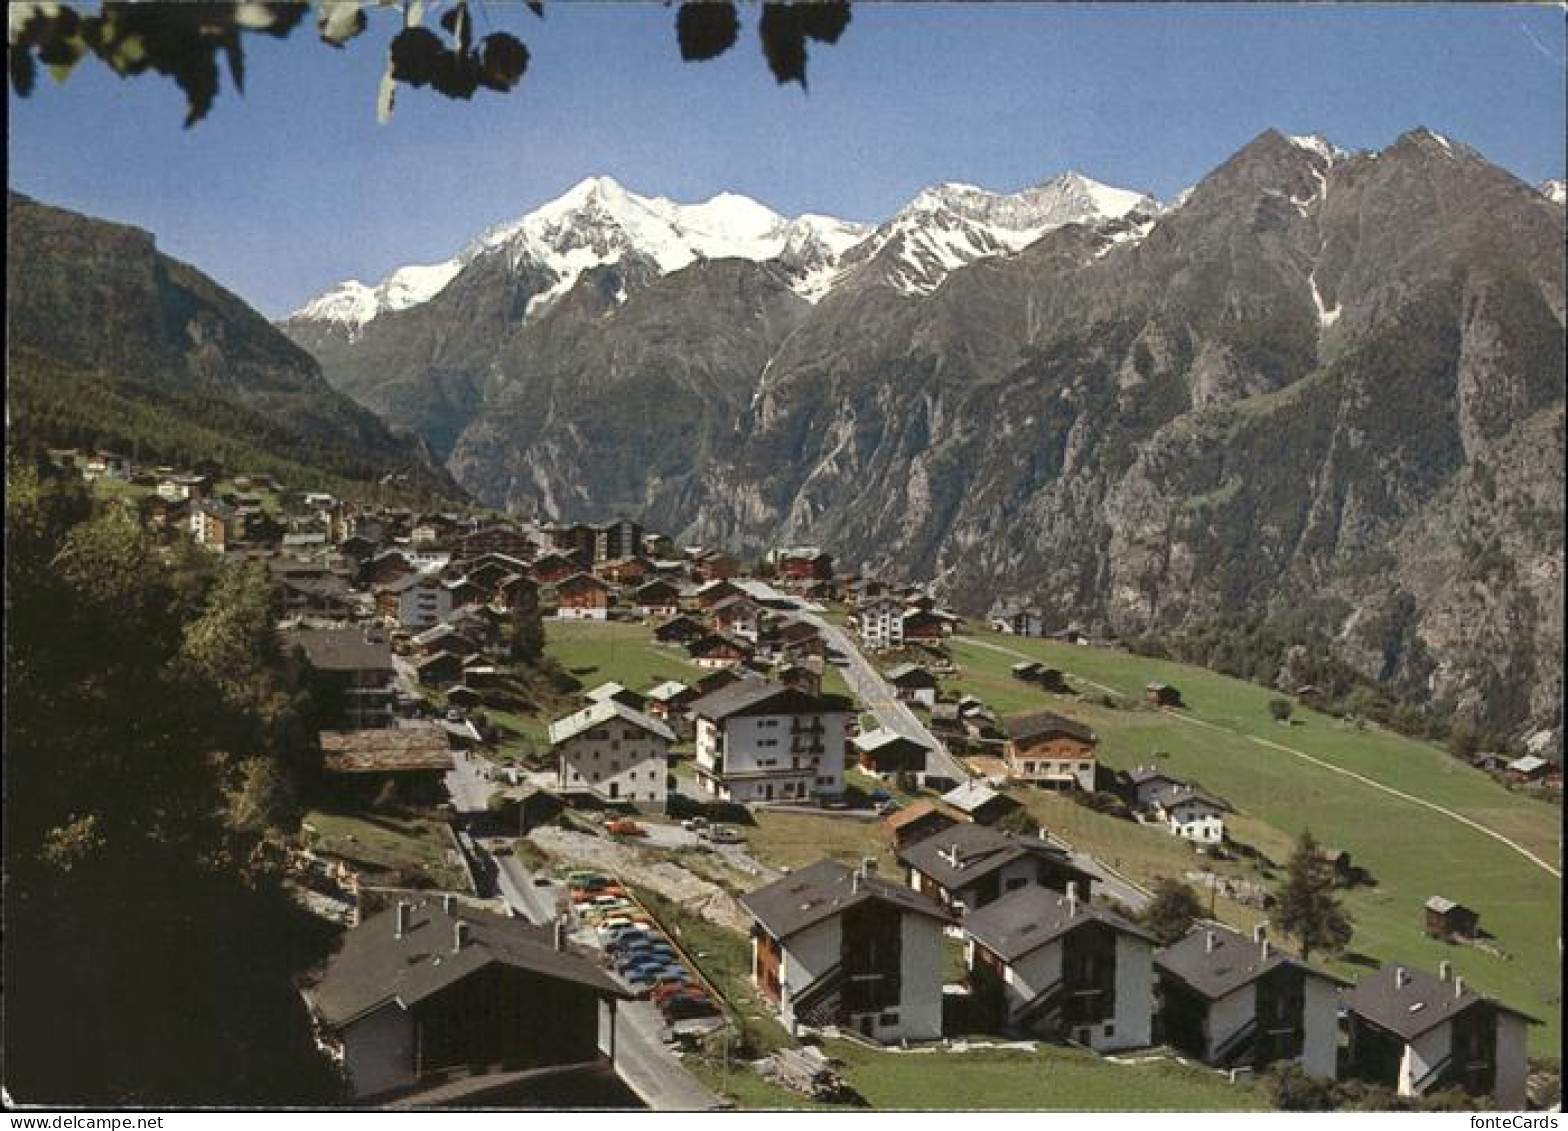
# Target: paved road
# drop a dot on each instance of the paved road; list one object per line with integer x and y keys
{"x": 534, "y": 902}
{"x": 470, "y": 792}
{"x": 649, "y": 1068}
{"x": 878, "y": 697}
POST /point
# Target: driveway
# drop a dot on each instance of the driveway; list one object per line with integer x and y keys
{"x": 470, "y": 791}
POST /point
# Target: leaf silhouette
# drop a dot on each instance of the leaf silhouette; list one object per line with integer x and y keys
{"x": 706, "y": 29}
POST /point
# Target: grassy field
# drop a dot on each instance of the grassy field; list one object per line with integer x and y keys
{"x": 791, "y": 840}
{"x": 595, "y": 651}
{"x": 1051, "y": 1078}
{"x": 392, "y": 843}
{"x": 1411, "y": 852}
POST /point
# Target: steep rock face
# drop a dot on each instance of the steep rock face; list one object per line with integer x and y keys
{"x": 1320, "y": 383}
{"x": 95, "y": 301}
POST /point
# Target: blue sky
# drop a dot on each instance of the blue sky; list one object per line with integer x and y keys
{"x": 294, "y": 185}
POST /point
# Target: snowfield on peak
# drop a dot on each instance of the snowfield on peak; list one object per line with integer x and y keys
{"x": 599, "y": 222}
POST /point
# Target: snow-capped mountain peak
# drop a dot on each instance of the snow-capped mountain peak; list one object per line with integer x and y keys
{"x": 1317, "y": 143}
{"x": 1555, "y": 191}
{"x": 597, "y": 222}
{"x": 950, "y": 225}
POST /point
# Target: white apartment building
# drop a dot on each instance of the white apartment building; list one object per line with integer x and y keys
{"x": 614, "y": 753}
{"x": 760, "y": 741}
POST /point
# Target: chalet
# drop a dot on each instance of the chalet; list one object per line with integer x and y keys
{"x": 1193, "y": 815}
{"x": 360, "y": 684}
{"x": 880, "y": 623}
{"x": 803, "y": 563}
{"x": 915, "y": 822}
{"x": 177, "y": 488}
{"x": 582, "y": 597}
{"x": 465, "y": 592}
{"x": 321, "y": 596}
{"x": 445, "y": 637}
{"x": 385, "y": 568}
{"x": 464, "y": 696}
{"x": 169, "y": 514}
{"x": 552, "y": 568}
{"x": 792, "y": 637}
{"x": 414, "y": 758}
{"x": 1049, "y": 750}
{"x": 832, "y": 945}
{"x": 515, "y": 591}
{"x": 979, "y": 802}
{"x": 1052, "y": 965}
{"x": 888, "y": 752}
{"x": 1532, "y": 770}
{"x": 718, "y": 651}
{"x": 577, "y": 539}
{"x": 1417, "y": 1034}
{"x": 429, "y": 991}
{"x": 928, "y": 626}
{"x": 709, "y": 595}
{"x": 968, "y": 866}
{"x": 489, "y": 570}
{"x": 622, "y": 695}
{"x": 1235, "y": 1002}
{"x": 1445, "y": 919}
{"x": 715, "y": 565}
{"x": 737, "y": 616}
{"x": 1143, "y": 787}
{"x": 669, "y": 700}
{"x": 681, "y": 630}
{"x": 414, "y": 601}
{"x": 1026, "y": 670}
{"x": 1162, "y": 695}
{"x": 214, "y": 525}
{"x": 1016, "y": 621}
{"x": 720, "y": 678}
{"x": 758, "y": 741}
{"x": 439, "y": 669}
{"x": 625, "y": 571}
{"x": 803, "y": 677}
{"x": 657, "y": 598}
{"x": 615, "y": 753}
{"x": 913, "y": 684}
{"x": 494, "y": 538}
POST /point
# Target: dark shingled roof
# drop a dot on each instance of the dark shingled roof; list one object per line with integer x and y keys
{"x": 819, "y": 891}
{"x": 1023, "y": 921}
{"x": 1421, "y": 1003}
{"x": 339, "y": 649}
{"x": 1047, "y": 722}
{"x": 981, "y": 850}
{"x": 373, "y": 966}
{"x": 1234, "y": 961}
{"x": 751, "y": 695}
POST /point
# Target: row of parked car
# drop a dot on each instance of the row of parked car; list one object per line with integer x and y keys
{"x": 637, "y": 949}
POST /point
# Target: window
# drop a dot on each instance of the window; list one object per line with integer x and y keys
{"x": 887, "y": 1020}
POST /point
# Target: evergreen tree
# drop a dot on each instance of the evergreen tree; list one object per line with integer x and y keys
{"x": 1307, "y": 908}
{"x": 1172, "y": 911}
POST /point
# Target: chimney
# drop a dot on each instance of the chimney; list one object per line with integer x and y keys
{"x": 1072, "y": 898}
{"x": 1260, "y": 933}
{"x": 1459, "y": 987}
{"x": 1264, "y": 949}
{"x": 403, "y": 910}
{"x": 1401, "y": 978}
{"x": 459, "y": 935}
{"x": 1445, "y": 970}
{"x": 868, "y": 864}
{"x": 1210, "y": 940}
{"x": 560, "y": 933}
{"x": 448, "y": 903}
{"x": 854, "y": 881}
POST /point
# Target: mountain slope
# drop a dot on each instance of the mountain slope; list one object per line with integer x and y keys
{"x": 113, "y": 341}
{"x": 1320, "y": 391}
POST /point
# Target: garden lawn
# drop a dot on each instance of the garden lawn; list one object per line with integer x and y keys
{"x": 1411, "y": 852}
{"x": 793, "y": 840}
{"x": 413, "y": 844}
{"x": 598, "y": 651}
{"x": 1051, "y": 1078}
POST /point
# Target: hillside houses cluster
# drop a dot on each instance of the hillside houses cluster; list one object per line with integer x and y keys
{"x": 840, "y": 948}
{"x": 886, "y": 616}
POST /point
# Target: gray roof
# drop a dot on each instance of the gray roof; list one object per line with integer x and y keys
{"x": 1409, "y": 1002}
{"x": 1443, "y": 905}
{"x": 339, "y": 649}
{"x": 980, "y": 851}
{"x": 1024, "y": 920}
{"x": 750, "y": 695}
{"x": 819, "y": 891}
{"x": 599, "y": 714}
{"x": 1234, "y": 961}
{"x": 1528, "y": 764}
{"x": 904, "y": 671}
{"x": 875, "y": 740}
{"x": 1145, "y": 774}
{"x": 971, "y": 796}
{"x": 1047, "y": 722}
{"x": 374, "y": 966}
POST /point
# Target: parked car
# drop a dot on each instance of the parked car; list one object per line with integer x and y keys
{"x": 626, "y": 827}
{"x": 694, "y": 824}
{"x": 721, "y": 834}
